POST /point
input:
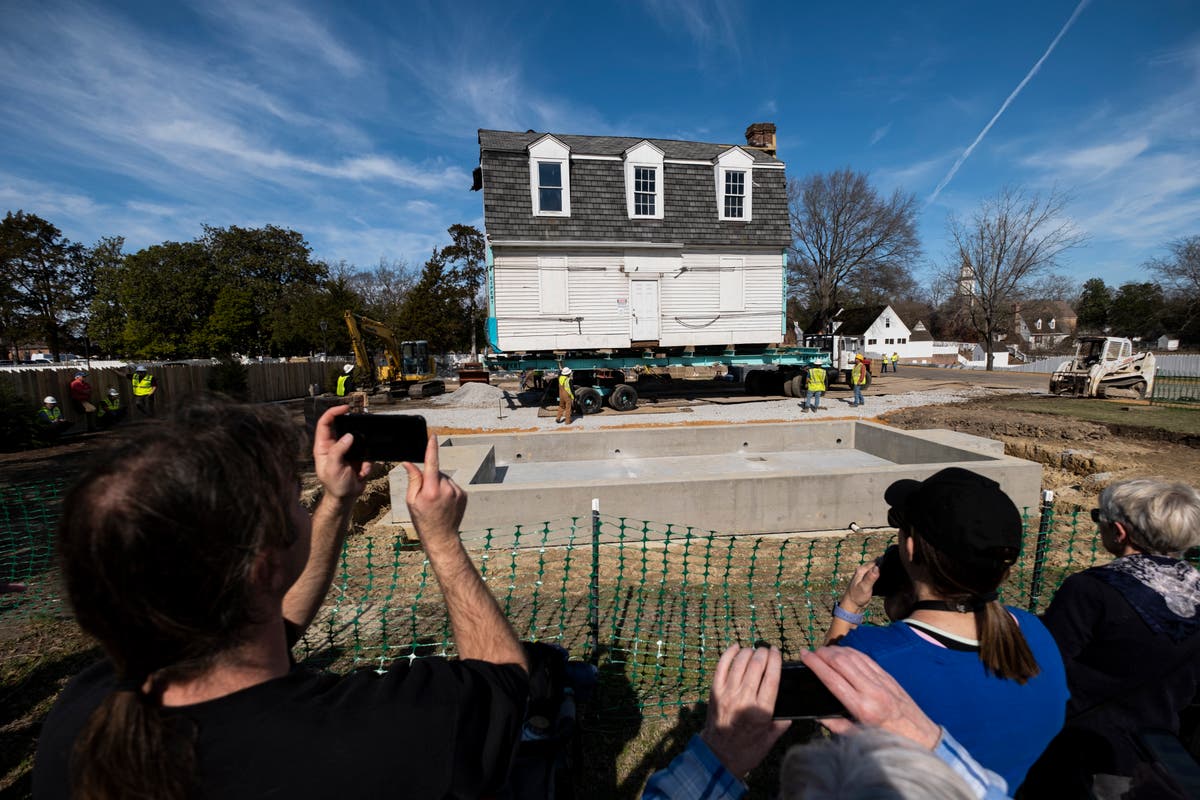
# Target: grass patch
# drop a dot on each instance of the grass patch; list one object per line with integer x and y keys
{"x": 1127, "y": 413}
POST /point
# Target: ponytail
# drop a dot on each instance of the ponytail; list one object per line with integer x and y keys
{"x": 128, "y": 749}
{"x": 1002, "y": 647}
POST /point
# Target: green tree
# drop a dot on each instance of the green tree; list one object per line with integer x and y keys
{"x": 43, "y": 271}
{"x": 434, "y": 309}
{"x": 296, "y": 320}
{"x": 1093, "y": 306}
{"x": 105, "y": 316}
{"x": 466, "y": 258}
{"x": 1137, "y": 310}
{"x": 167, "y": 293}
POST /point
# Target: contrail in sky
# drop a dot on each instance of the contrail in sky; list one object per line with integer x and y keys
{"x": 1034, "y": 71}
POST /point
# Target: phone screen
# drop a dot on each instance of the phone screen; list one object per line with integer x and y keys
{"x": 384, "y": 437}
{"x": 803, "y": 696}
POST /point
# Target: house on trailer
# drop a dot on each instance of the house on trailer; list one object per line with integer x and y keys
{"x": 618, "y": 243}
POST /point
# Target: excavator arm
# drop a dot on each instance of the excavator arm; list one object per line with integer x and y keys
{"x": 356, "y": 324}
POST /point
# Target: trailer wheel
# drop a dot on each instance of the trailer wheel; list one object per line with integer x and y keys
{"x": 623, "y": 397}
{"x": 754, "y": 382}
{"x": 775, "y": 382}
{"x": 589, "y": 400}
{"x": 799, "y": 386}
{"x": 788, "y": 390}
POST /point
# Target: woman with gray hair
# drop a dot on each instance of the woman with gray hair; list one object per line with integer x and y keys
{"x": 1129, "y": 632}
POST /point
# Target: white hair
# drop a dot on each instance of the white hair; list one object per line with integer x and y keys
{"x": 1160, "y": 516}
{"x": 869, "y": 764}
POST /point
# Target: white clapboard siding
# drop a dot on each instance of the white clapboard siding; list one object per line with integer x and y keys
{"x": 598, "y": 292}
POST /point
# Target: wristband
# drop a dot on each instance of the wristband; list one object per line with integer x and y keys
{"x": 846, "y": 616}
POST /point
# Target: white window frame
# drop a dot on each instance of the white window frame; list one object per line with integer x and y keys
{"x": 645, "y": 156}
{"x": 1052, "y": 323}
{"x": 546, "y": 266}
{"x": 551, "y": 151}
{"x": 735, "y": 159}
{"x": 732, "y": 284}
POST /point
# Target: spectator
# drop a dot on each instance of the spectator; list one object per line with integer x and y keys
{"x": 187, "y": 555}
{"x": 81, "y": 399}
{"x": 739, "y": 732}
{"x": 50, "y": 421}
{"x": 1129, "y": 632}
{"x": 144, "y": 389}
{"x": 110, "y": 411}
{"x": 990, "y": 673}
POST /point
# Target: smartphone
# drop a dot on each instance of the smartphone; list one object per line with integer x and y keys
{"x": 384, "y": 437}
{"x": 892, "y": 577}
{"x": 803, "y": 696}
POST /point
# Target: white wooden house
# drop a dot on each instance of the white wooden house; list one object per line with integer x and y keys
{"x": 610, "y": 243}
{"x": 879, "y": 331}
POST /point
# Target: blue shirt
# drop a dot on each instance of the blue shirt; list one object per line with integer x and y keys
{"x": 1004, "y": 724}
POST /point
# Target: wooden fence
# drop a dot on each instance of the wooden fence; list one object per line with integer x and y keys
{"x": 176, "y": 382}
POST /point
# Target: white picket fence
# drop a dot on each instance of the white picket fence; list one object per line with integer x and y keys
{"x": 1169, "y": 364}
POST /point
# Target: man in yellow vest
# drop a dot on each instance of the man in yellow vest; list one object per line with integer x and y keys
{"x": 815, "y": 387}
{"x": 143, "y": 391}
{"x": 566, "y": 396}
{"x": 858, "y": 379}
{"x": 895, "y": 361}
{"x": 345, "y": 383}
{"x": 50, "y": 421}
{"x": 110, "y": 412}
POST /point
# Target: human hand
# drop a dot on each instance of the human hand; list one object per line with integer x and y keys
{"x": 739, "y": 727}
{"x": 858, "y": 594}
{"x": 342, "y": 479}
{"x": 435, "y": 503}
{"x": 871, "y": 696}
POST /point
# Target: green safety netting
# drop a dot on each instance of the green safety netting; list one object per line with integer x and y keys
{"x": 652, "y": 604}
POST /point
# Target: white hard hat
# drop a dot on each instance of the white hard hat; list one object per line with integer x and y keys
{"x": 50, "y": 401}
{"x": 113, "y": 392}
{"x": 140, "y": 368}
{"x": 348, "y": 369}
{"x": 566, "y": 370}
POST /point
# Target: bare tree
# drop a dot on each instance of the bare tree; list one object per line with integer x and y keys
{"x": 1009, "y": 242}
{"x": 1181, "y": 270}
{"x": 842, "y": 232}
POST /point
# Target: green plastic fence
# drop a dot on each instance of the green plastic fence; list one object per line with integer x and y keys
{"x": 1180, "y": 391}
{"x": 652, "y": 604}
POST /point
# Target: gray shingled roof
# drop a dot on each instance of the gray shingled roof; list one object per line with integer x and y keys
{"x": 598, "y": 203}
{"x": 515, "y": 142}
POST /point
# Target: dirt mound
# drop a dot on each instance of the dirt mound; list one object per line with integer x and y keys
{"x": 472, "y": 395}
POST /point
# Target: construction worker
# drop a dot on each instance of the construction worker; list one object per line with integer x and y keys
{"x": 858, "y": 379}
{"x": 883, "y": 364}
{"x": 566, "y": 396}
{"x": 345, "y": 382}
{"x": 143, "y": 391}
{"x": 895, "y": 361}
{"x": 81, "y": 399}
{"x": 110, "y": 412}
{"x": 815, "y": 387}
{"x": 50, "y": 419}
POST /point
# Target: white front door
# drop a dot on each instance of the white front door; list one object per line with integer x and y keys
{"x": 643, "y": 311}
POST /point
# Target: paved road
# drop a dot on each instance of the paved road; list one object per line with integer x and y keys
{"x": 976, "y": 377}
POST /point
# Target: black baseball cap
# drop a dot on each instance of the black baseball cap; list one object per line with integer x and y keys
{"x": 963, "y": 514}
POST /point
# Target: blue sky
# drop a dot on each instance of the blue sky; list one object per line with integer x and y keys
{"x": 357, "y": 125}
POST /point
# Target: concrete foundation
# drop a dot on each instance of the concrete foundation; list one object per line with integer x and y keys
{"x": 736, "y": 479}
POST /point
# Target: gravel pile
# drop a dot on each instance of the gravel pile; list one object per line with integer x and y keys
{"x": 472, "y": 395}
{"x": 489, "y": 416}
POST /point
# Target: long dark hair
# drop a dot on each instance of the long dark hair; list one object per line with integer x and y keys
{"x": 157, "y": 541}
{"x": 1002, "y": 647}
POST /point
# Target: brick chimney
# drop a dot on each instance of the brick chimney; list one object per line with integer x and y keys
{"x": 761, "y": 136}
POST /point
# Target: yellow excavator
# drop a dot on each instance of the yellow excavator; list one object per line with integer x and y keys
{"x": 410, "y": 369}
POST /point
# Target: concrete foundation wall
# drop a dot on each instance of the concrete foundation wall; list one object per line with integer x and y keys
{"x": 739, "y": 500}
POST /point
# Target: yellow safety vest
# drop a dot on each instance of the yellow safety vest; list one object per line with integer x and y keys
{"x": 143, "y": 387}
{"x": 49, "y": 415}
{"x": 816, "y": 379}
{"x": 858, "y": 375}
{"x": 564, "y": 383}
{"x": 341, "y": 385}
{"x": 109, "y": 405}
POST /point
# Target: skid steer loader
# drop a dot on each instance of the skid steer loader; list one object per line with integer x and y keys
{"x": 1105, "y": 366}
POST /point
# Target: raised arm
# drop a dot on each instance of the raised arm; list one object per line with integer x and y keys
{"x": 436, "y": 504}
{"x": 343, "y": 481}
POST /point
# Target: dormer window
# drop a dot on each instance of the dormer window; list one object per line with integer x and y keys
{"x": 644, "y": 181}
{"x": 1038, "y": 324}
{"x": 550, "y": 177}
{"x": 1051, "y": 323}
{"x": 734, "y": 185}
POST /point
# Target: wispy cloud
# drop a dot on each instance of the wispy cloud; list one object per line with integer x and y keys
{"x": 712, "y": 25}
{"x": 879, "y": 133}
{"x": 282, "y": 33}
{"x": 1007, "y": 102}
